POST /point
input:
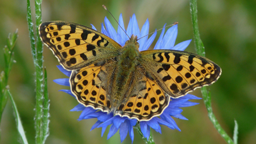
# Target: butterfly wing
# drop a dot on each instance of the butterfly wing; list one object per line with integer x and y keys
{"x": 76, "y": 46}
{"x": 89, "y": 85}
{"x": 179, "y": 72}
{"x": 146, "y": 100}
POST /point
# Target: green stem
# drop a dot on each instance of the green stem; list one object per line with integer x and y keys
{"x": 201, "y": 51}
{"x": 37, "y": 51}
{"x": 150, "y": 140}
{"x": 46, "y": 108}
{"x": 198, "y": 42}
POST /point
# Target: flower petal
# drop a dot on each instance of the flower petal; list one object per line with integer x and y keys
{"x": 182, "y": 45}
{"x": 111, "y": 31}
{"x": 129, "y": 27}
{"x": 153, "y": 123}
{"x": 160, "y": 40}
{"x": 85, "y": 112}
{"x": 132, "y": 123}
{"x": 188, "y": 103}
{"x": 112, "y": 131}
{"x": 96, "y": 125}
{"x": 105, "y": 117}
{"x": 173, "y": 111}
{"x": 103, "y": 130}
{"x": 144, "y": 34}
{"x": 190, "y": 96}
{"x": 67, "y": 73}
{"x": 174, "y": 103}
{"x": 145, "y": 129}
{"x": 121, "y": 32}
{"x": 78, "y": 107}
{"x": 93, "y": 27}
{"x": 171, "y": 121}
{"x": 180, "y": 116}
{"x": 170, "y": 37}
{"x": 149, "y": 42}
{"x": 135, "y": 26}
{"x": 124, "y": 130}
{"x": 165, "y": 117}
{"x": 107, "y": 122}
{"x": 103, "y": 30}
{"x": 92, "y": 115}
{"x": 118, "y": 121}
{"x": 62, "y": 81}
{"x": 67, "y": 91}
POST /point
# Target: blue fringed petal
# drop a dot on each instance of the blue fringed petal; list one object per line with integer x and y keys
{"x": 103, "y": 30}
{"x": 112, "y": 131}
{"x": 170, "y": 37}
{"x": 132, "y": 123}
{"x": 144, "y": 34}
{"x": 68, "y": 92}
{"x": 62, "y": 81}
{"x": 160, "y": 39}
{"x": 111, "y": 31}
{"x": 67, "y": 73}
{"x": 148, "y": 42}
{"x": 93, "y": 27}
{"x": 78, "y": 107}
{"x": 123, "y": 130}
{"x": 153, "y": 123}
{"x": 118, "y": 121}
{"x": 181, "y": 46}
{"x": 96, "y": 125}
{"x": 145, "y": 129}
{"x": 121, "y": 31}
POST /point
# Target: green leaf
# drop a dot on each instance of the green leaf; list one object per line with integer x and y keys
{"x": 4, "y": 75}
{"x": 17, "y": 119}
{"x": 235, "y": 135}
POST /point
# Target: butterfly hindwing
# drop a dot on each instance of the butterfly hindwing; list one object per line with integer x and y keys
{"x": 147, "y": 98}
{"x": 89, "y": 84}
{"x": 179, "y": 72}
{"x": 76, "y": 46}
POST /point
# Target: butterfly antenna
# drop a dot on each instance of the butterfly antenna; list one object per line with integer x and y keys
{"x": 114, "y": 19}
{"x": 158, "y": 30}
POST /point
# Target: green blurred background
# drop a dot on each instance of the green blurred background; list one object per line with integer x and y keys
{"x": 227, "y": 29}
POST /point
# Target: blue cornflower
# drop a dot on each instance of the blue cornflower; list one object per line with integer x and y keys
{"x": 124, "y": 124}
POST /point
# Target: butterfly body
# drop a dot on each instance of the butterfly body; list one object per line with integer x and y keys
{"x": 123, "y": 80}
{"x": 124, "y": 70}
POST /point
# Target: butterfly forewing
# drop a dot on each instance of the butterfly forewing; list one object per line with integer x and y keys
{"x": 179, "y": 72}
{"x": 76, "y": 46}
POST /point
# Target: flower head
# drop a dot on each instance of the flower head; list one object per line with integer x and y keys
{"x": 124, "y": 124}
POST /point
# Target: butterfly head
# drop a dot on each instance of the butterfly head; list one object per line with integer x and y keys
{"x": 133, "y": 41}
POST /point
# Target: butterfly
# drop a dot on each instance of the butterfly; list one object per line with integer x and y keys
{"x": 123, "y": 80}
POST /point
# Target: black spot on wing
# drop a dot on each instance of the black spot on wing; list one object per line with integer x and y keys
{"x": 73, "y": 28}
{"x": 190, "y": 59}
{"x": 167, "y": 56}
{"x": 177, "y": 58}
{"x": 84, "y": 35}
{"x": 95, "y": 37}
